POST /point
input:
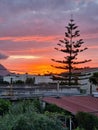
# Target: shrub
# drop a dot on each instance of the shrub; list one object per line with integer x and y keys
{"x": 22, "y": 107}
{"x": 87, "y": 121}
{"x": 4, "y": 106}
{"x": 23, "y": 116}
{"x": 54, "y": 108}
{"x": 22, "y": 124}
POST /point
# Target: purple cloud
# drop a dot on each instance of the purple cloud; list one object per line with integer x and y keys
{"x": 3, "y": 56}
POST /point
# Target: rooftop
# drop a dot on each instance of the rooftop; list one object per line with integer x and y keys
{"x": 75, "y": 104}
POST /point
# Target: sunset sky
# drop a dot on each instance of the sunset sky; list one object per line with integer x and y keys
{"x": 31, "y": 29}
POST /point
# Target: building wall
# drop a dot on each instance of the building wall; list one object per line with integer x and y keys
{"x": 43, "y": 79}
{"x": 85, "y": 84}
{"x": 38, "y": 79}
{"x": 17, "y": 77}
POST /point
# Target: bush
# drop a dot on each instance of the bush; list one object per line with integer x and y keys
{"x": 22, "y": 124}
{"x": 22, "y": 107}
{"x": 54, "y": 108}
{"x": 4, "y": 106}
{"x": 87, "y": 121}
{"x": 18, "y": 82}
{"x": 79, "y": 128}
{"x": 23, "y": 116}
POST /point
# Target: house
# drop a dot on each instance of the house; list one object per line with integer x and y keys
{"x": 84, "y": 80}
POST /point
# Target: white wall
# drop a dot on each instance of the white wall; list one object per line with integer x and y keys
{"x": 48, "y": 79}
{"x": 86, "y": 81}
{"x": 17, "y": 77}
{"x": 23, "y": 77}
{"x": 43, "y": 79}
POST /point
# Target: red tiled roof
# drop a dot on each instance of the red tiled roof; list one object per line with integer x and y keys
{"x": 75, "y": 104}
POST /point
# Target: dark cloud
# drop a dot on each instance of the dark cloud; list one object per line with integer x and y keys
{"x": 44, "y": 17}
{"x": 16, "y": 6}
{"x": 22, "y": 17}
{"x": 3, "y": 56}
{"x": 87, "y": 16}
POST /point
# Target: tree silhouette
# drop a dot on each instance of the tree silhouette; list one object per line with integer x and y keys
{"x": 71, "y": 46}
{"x": 93, "y": 80}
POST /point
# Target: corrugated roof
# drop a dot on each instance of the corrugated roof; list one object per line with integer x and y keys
{"x": 75, "y": 104}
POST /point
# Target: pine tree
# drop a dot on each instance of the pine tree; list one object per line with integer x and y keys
{"x": 71, "y": 47}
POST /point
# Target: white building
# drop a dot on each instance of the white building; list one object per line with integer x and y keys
{"x": 38, "y": 79}
{"x": 16, "y": 77}
{"x": 43, "y": 79}
{"x": 85, "y": 84}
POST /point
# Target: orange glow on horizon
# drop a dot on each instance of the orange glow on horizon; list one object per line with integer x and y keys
{"x": 36, "y": 69}
{"x": 40, "y": 68}
{"x": 36, "y": 60}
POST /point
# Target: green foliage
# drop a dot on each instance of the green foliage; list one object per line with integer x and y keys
{"x": 19, "y": 82}
{"x": 71, "y": 83}
{"x": 37, "y": 105}
{"x": 4, "y": 106}
{"x": 38, "y": 122}
{"x": 53, "y": 108}
{"x": 79, "y": 128}
{"x": 22, "y": 124}
{"x": 87, "y": 121}
{"x": 94, "y": 78}
{"x": 52, "y": 115}
{"x": 30, "y": 81}
{"x": 4, "y": 83}
{"x": 47, "y": 123}
{"x": 23, "y": 116}
{"x": 95, "y": 74}
{"x": 82, "y": 91}
{"x": 22, "y": 107}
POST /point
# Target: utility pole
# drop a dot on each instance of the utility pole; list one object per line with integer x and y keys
{"x": 11, "y": 87}
{"x": 91, "y": 88}
{"x": 58, "y": 87}
{"x": 70, "y": 121}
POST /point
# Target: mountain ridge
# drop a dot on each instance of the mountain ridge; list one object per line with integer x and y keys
{"x": 3, "y": 70}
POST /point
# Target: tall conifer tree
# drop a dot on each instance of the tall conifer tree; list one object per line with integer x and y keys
{"x": 71, "y": 46}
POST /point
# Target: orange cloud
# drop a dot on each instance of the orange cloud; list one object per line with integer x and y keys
{"x": 30, "y": 38}
{"x": 37, "y": 52}
{"x": 41, "y": 65}
{"x": 44, "y": 38}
